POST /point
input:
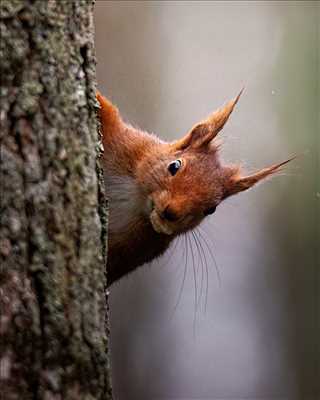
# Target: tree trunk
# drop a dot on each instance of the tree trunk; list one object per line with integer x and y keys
{"x": 54, "y": 341}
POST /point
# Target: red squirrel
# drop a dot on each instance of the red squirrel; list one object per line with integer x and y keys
{"x": 159, "y": 190}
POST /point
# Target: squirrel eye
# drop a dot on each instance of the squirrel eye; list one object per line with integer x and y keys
{"x": 174, "y": 166}
{"x": 210, "y": 210}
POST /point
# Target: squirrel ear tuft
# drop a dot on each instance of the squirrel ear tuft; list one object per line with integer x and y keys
{"x": 109, "y": 113}
{"x": 205, "y": 131}
{"x": 238, "y": 184}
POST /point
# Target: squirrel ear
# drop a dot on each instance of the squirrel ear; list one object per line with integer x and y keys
{"x": 238, "y": 184}
{"x": 109, "y": 113}
{"x": 203, "y": 132}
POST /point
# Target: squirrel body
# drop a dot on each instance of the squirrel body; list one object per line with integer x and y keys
{"x": 159, "y": 190}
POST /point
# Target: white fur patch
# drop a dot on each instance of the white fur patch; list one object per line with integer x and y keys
{"x": 126, "y": 203}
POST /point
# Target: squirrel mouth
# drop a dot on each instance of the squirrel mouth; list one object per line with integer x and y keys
{"x": 158, "y": 225}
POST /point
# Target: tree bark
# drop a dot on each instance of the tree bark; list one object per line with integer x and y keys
{"x": 54, "y": 336}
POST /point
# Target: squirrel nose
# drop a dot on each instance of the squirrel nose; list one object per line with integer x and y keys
{"x": 169, "y": 214}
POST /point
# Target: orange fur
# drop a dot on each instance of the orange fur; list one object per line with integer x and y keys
{"x": 148, "y": 206}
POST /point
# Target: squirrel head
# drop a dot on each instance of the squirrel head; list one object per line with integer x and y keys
{"x": 185, "y": 180}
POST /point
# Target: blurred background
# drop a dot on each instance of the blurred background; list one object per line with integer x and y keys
{"x": 255, "y": 333}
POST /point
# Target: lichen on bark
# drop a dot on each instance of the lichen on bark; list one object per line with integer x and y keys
{"x": 54, "y": 342}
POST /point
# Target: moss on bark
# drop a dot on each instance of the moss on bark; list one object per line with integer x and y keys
{"x": 53, "y": 223}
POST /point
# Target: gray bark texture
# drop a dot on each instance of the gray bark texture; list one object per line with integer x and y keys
{"x": 53, "y": 327}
